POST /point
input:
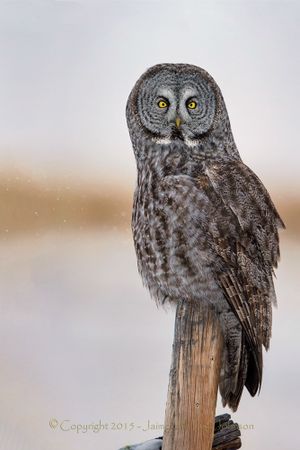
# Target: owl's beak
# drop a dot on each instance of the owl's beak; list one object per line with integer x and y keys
{"x": 178, "y": 122}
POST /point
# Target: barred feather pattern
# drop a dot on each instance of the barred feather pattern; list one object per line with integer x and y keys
{"x": 205, "y": 229}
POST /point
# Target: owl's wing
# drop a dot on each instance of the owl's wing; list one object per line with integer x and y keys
{"x": 243, "y": 192}
{"x": 226, "y": 212}
{"x": 248, "y": 255}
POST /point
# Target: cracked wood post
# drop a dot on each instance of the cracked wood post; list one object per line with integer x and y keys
{"x": 194, "y": 379}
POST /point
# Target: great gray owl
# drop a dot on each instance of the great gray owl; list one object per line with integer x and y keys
{"x": 204, "y": 226}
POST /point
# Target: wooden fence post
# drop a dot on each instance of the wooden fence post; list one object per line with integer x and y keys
{"x": 194, "y": 378}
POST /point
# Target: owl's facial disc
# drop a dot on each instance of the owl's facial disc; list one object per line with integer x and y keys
{"x": 177, "y": 106}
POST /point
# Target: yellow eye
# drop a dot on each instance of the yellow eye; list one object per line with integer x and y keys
{"x": 192, "y": 105}
{"x": 163, "y": 104}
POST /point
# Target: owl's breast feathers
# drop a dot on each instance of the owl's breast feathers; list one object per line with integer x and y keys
{"x": 215, "y": 226}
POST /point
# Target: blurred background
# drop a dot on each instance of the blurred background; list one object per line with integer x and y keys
{"x": 85, "y": 354}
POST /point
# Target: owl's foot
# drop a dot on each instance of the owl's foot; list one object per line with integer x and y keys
{"x": 227, "y": 437}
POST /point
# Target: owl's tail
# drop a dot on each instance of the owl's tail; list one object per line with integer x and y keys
{"x": 245, "y": 369}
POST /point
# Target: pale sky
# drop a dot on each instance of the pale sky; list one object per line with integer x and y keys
{"x": 67, "y": 67}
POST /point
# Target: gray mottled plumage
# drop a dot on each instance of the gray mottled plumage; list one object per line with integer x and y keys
{"x": 204, "y": 226}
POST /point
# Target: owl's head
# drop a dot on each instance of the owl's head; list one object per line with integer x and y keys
{"x": 177, "y": 102}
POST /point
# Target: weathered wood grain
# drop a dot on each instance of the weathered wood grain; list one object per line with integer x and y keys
{"x": 194, "y": 378}
{"x": 226, "y": 437}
